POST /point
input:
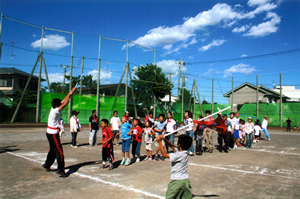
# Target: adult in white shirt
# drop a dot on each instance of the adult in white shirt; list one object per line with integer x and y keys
{"x": 171, "y": 126}
{"x": 56, "y": 151}
{"x": 264, "y": 126}
{"x": 75, "y": 127}
{"x": 115, "y": 123}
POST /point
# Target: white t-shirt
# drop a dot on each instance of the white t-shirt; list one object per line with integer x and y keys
{"x": 179, "y": 165}
{"x": 187, "y": 122}
{"x": 148, "y": 138}
{"x": 53, "y": 121}
{"x": 170, "y": 125}
{"x": 256, "y": 130}
{"x": 264, "y": 124}
{"x": 232, "y": 121}
{"x": 236, "y": 123}
{"x": 74, "y": 124}
{"x": 115, "y": 123}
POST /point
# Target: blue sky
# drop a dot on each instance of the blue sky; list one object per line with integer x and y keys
{"x": 199, "y": 32}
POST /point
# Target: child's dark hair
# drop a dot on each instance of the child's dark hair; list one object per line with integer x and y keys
{"x": 56, "y": 102}
{"x": 185, "y": 141}
{"x": 105, "y": 121}
{"x": 169, "y": 112}
{"x": 162, "y": 115}
{"x": 208, "y": 111}
{"x": 190, "y": 114}
{"x": 115, "y": 112}
{"x": 200, "y": 116}
{"x": 93, "y": 111}
{"x": 232, "y": 113}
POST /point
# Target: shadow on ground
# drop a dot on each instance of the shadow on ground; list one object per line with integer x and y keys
{"x": 8, "y": 149}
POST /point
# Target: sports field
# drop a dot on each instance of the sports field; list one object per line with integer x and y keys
{"x": 271, "y": 169}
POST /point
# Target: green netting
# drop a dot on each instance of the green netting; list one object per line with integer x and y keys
{"x": 291, "y": 110}
{"x": 84, "y": 104}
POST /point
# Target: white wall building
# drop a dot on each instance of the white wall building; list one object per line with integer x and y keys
{"x": 289, "y": 91}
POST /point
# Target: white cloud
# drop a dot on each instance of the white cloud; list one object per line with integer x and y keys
{"x": 52, "y": 42}
{"x": 241, "y": 29}
{"x": 191, "y": 57}
{"x": 244, "y": 55}
{"x": 221, "y": 15}
{"x": 103, "y": 74}
{"x": 170, "y": 66}
{"x": 164, "y": 36}
{"x": 240, "y": 68}
{"x": 265, "y": 28}
{"x": 257, "y": 2}
{"x": 213, "y": 43}
{"x": 209, "y": 72}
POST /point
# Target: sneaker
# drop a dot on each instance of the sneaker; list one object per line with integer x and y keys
{"x": 150, "y": 159}
{"x": 156, "y": 158}
{"x": 211, "y": 150}
{"x": 235, "y": 147}
{"x": 127, "y": 162}
{"x": 74, "y": 146}
{"x": 225, "y": 150}
{"x": 111, "y": 167}
{"x": 138, "y": 160}
{"x": 239, "y": 144}
{"x": 147, "y": 158}
{"x": 191, "y": 153}
{"x": 269, "y": 139}
{"x": 162, "y": 158}
{"x": 61, "y": 174}
{"x": 123, "y": 161}
{"x": 46, "y": 167}
{"x": 102, "y": 166}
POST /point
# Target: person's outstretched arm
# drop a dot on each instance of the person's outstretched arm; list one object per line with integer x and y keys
{"x": 65, "y": 101}
{"x": 162, "y": 149}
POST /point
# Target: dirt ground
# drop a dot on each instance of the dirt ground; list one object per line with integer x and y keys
{"x": 271, "y": 169}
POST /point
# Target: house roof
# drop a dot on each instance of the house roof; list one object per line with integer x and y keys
{"x": 14, "y": 71}
{"x": 266, "y": 91}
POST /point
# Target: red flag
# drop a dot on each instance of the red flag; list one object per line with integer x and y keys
{"x": 218, "y": 123}
{"x": 146, "y": 118}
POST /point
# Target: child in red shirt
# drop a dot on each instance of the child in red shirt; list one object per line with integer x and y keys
{"x": 107, "y": 145}
{"x": 136, "y": 140}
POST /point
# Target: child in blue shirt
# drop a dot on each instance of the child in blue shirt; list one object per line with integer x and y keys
{"x": 126, "y": 140}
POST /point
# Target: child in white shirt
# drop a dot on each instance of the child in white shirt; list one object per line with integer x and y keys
{"x": 257, "y": 132}
{"x": 149, "y": 134}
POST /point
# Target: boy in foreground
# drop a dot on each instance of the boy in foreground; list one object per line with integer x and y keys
{"x": 107, "y": 145}
{"x": 180, "y": 185}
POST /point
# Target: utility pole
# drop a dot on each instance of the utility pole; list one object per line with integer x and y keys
{"x": 180, "y": 63}
{"x": 182, "y": 98}
{"x": 65, "y": 72}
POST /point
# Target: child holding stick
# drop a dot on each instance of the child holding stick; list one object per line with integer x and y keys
{"x": 180, "y": 185}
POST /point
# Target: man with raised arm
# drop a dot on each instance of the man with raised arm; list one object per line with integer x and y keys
{"x": 56, "y": 151}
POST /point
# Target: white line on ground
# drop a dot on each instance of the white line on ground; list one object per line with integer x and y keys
{"x": 242, "y": 171}
{"x": 97, "y": 179}
{"x": 264, "y": 150}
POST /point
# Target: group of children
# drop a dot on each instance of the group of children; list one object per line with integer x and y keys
{"x": 180, "y": 186}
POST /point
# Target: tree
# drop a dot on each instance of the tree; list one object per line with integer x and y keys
{"x": 150, "y": 81}
{"x": 29, "y": 97}
{"x": 58, "y": 87}
{"x": 187, "y": 96}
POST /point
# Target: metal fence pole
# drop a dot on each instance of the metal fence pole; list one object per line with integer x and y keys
{"x": 38, "y": 101}
{"x": 82, "y": 65}
{"x": 71, "y": 74}
{"x": 98, "y": 79}
{"x": 212, "y": 96}
{"x": 232, "y": 108}
{"x": 257, "y": 100}
{"x": 280, "y": 106}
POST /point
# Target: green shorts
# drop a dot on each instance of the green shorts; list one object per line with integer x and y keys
{"x": 180, "y": 189}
